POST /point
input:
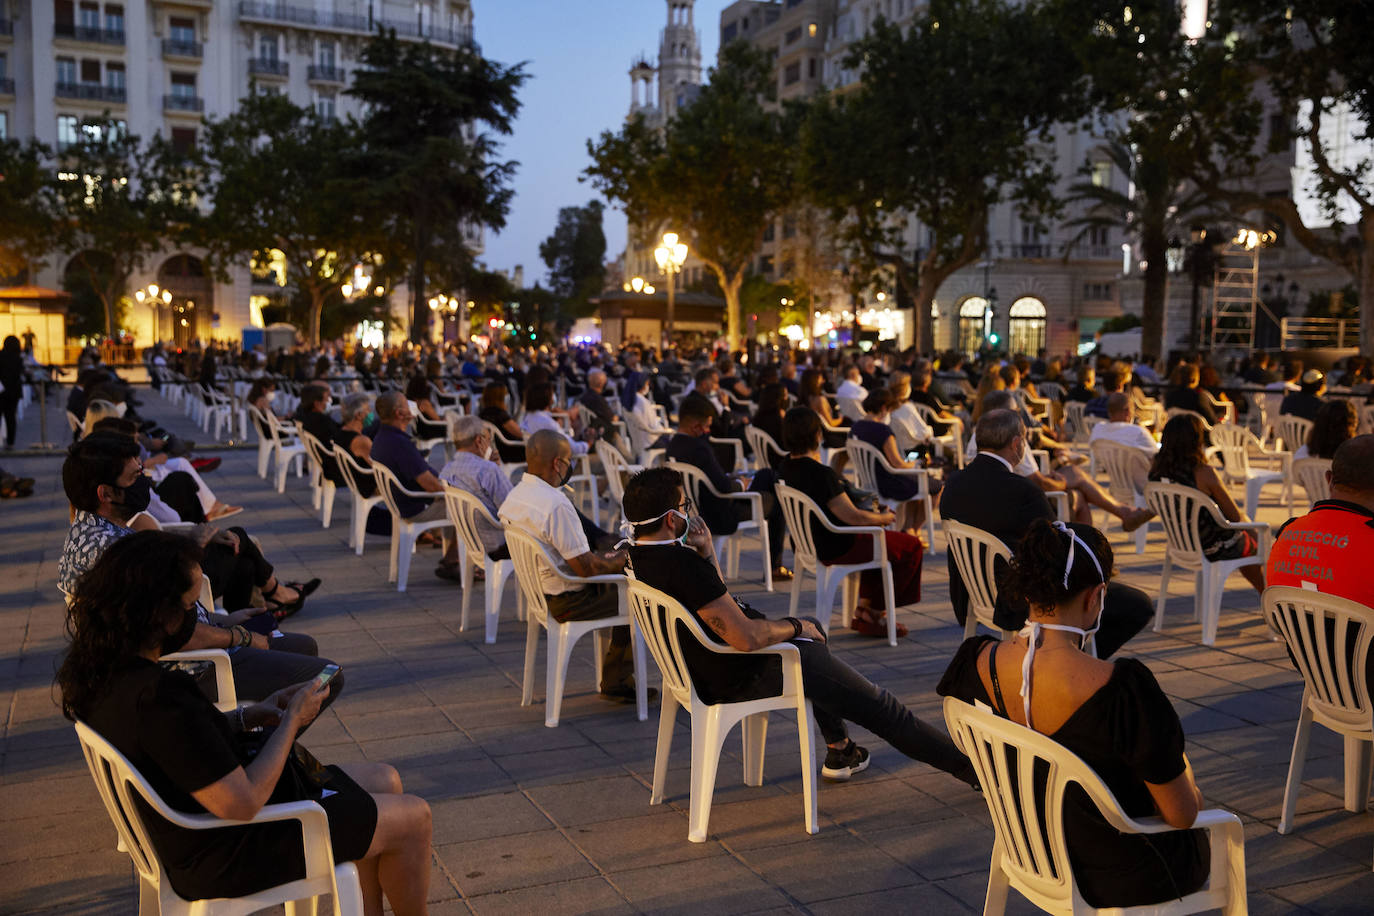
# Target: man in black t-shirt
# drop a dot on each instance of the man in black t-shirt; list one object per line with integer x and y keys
{"x": 673, "y": 553}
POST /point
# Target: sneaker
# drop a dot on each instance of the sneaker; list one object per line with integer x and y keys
{"x": 844, "y": 763}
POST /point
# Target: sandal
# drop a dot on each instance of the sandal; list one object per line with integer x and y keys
{"x": 280, "y": 610}
{"x": 867, "y": 626}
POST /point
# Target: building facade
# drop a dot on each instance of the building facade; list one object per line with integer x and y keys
{"x": 160, "y": 67}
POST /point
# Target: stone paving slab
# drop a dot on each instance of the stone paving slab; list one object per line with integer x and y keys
{"x": 529, "y": 819}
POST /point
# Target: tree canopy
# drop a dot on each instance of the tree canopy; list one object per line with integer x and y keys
{"x": 575, "y": 255}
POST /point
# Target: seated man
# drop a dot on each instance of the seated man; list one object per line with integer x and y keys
{"x": 106, "y": 488}
{"x": 1121, "y": 429}
{"x": 689, "y": 573}
{"x": 1083, "y": 390}
{"x": 539, "y": 507}
{"x": 852, "y": 386}
{"x": 691, "y": 445}
{"x": 990, "y": 495}
{"x": 1112, "y": 382}
{"x": 603, "y": 414}
{"x": 1307, "y": 400}
{"x": 473, "y": 471}
{"x": 725, "y": 423}
{"x": 394, "y": 448}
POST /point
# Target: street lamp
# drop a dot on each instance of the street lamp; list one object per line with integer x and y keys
{"x": 671, "y": 255}
{"x": 154, "y": 298}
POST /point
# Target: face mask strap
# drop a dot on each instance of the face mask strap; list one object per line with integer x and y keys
{"x": 1075, "y": 539}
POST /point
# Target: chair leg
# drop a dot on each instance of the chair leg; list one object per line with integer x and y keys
{"x": 889, "y": 593}
{"x": 1295, "y": 766}
{"x": 795, "y": 599}
{"x": 1163, "y": 593}
{"x": 1215, "y": 583}
{"x": 496, "y": 589}
{"x": 465, "y": 577}
{"x": 306, "y": 907}
{"x": 767, "y": 555}
{"x": 706, "y": 743}
{"x": 360, "y": 513}
{"x": 1141, "y": 534}
{"x": 327, "y": 515}
{"x": 667, "y": 720}
{"x": 754, "y": 734}
{"x": 555, "y": 671}
{"x": 395, "y": 549}
{"x": 531, "y": 648}
{"x": 825, "y": 594}
{"x": 1357, "y": 773}
{"x": 404, "y": 552}
{"x": 806, "y": 737}
{"x": 998, "y": 885}
{"x": 971, "y": 624}
{"x": 148, "y": 902}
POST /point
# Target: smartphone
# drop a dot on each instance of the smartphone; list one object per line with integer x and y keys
{"x": 327, "y": 674}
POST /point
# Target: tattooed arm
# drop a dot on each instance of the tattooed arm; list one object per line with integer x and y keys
{"x": 746, "y": 634}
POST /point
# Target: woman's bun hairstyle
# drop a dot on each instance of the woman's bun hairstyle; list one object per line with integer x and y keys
{"x": 1037, "y": 568}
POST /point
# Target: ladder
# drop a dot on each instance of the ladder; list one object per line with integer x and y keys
{"x": 1235, "y": 296}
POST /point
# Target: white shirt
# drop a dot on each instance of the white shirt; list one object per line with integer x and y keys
{"x": 1130, "y": 434}
{"x": 848, "y": 389}
{"x": 1025, "y": 468}
{"x": 645, "y": 417}
{"x": 908, "y": 426}
{"x": 541, "y": 419}
{"x": 538, "y": 509}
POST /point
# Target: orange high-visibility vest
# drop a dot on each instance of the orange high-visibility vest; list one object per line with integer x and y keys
{"x": 1330, "y": 549}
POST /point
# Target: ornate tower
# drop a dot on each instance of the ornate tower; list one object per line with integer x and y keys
{"x": 679, "y": 57}
{"x": 641, "y": 86}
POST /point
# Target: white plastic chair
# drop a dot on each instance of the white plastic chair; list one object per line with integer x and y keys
{"x": 261, "y": 425}
{"x": 285, "y": 447}
{"x": 119, "y": 784}
{"x": 530, "y": 557}
{"x": 1124, "y": 464}
{"x": 322, "y": 489}
{"x": 950, "y": 441}
{"x": 1237, "y": 444}
{"x": 1017, "y": 768}
{"x": 867, "y": 461}
{"x": 499, "y": 438}
{"x": 662, "y": 619}
{"x": 975, "y": 553}
{"x": 1257, "y": 417}
{"x": 1329, "y": 638}
{"x": 403, "y": 531}
{"x": 764, "y": 448}
{"x": 800, "y": 512}
{"x": 1292, "y": 431}
{"x": 852, "y": 409}
{"x": 1311, "y": 474}
{"x": 218, "y": 409}
{"x": 353, "y": 473}
{"x": 697, "y": 485}
{"x": 617, "y": 469}
{"x": 1074, "y": 421}
{"x": 467, "y": 514}
{"x": 738, "y": 464}
{"x": 1179, "y": 508}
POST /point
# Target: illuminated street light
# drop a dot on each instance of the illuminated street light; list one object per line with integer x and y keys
{"x": 155, "y": 298}
{"x": 671, "y": 255}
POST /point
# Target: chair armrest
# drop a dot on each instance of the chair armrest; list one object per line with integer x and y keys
{"x": 416, "y": 494}
{"x": 227, "y": 697}
{"x": 790, "y": 655}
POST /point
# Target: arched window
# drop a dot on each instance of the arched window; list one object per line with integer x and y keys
{"x": 971, "y": 313}
{"x": 1026, "y": 326}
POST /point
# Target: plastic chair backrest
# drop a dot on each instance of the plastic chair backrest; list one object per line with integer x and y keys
{"x": 765, "y": 450}
{"x": 314, "y": 450}
{"x": 694, "y": 481}
{"x": 117, "y": 781}
{"x": 1175, "y": 411}
{"x": 467, "y": 513}
{"x": 1025, "y": 775}
{"x": 1073, "y": 418}
{"x": 1293, "y": 431}
{"x": 1234, "y": 442}
{"x": 1179, "y": 508}
{"x": 616, "y": 467}
{"x": 350, "y": 468}
{"x": 975, "y": 553}
{"x": 530, "y": 557}
{"x": 1329, "y": 639}
{"x": 261, "y": 424}
{"x": 867, "y": 460}
{"x": 500, "y": 437}
{"x": 1124, "y": 465}
{"x": 797, "y": 511}
{"x": 658, "y": 616}
{"x": 386, "y": 481}
{"x": 1311, "y": 473}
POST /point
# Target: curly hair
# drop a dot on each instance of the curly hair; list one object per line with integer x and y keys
{"x": 1336, "y": 422}
{"x": 1037, "y": 568}
{"x": 120, "y": 608}
{"x": 1181, "y": 449}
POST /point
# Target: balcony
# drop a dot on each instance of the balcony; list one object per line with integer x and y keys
{"x": 320, "y": 73}
{"x": 191, "y": 104}
{"x": 88, "y": 34}
{"x": 6, "y": 28}
{"x": 285, "y": 14}
{"x": 269, "y": 67}
{"x": 175, "y": 47}
{"x": 92, "y": 92}
{"x": 6, "y": 87}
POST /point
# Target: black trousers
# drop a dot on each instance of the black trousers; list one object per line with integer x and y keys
{"x": 596, "y": 602}
{"x": 178, "y": 490}
{"x": 9, "y": 408}
{"x": 233, "y": 575}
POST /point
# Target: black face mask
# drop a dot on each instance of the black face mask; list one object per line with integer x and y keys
{"x": 173, "y": 642}
{"x": 137, "y": 495}
{"x": 567, "y": 475}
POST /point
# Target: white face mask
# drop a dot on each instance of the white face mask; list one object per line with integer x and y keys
{"x": 627, "y": 531}
{"x": 121, "y": 408}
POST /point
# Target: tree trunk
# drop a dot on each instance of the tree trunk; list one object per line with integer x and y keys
{"x": 317, "y": 297}
{"x": 419, "y": 307}
{"x": 1365, "y": 281}
{"x": 1154, "y": 246}
{"x": 732, "y": 313}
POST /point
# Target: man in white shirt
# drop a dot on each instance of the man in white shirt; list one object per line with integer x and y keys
{"x": 1119, "y": 428}
{"x": 538, "y": 506}
{"x": 852, "y": 386}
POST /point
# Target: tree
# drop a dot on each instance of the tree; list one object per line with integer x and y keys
{"x": 1170, "y": 105}
{"x": 118, "y": 201}
{"x": 287, "y": 179}
{"x": 432, "y": 114}
{"x": 717, "y": 175}
{"x": 943, "y": 127}
{"x": 576, "y": 254}
{"x": 27, "y": 218}
{"x": 1315, "y": 59}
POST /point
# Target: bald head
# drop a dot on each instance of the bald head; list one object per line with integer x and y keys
{"x": 1352, "y": 471}
{"x": 1118, "y": 407}
{"x": 392, "y": 409}
{"x": 542, "y": 449}
{"x": 596, "y": 380}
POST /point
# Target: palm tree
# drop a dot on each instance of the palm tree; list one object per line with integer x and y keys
{"x": 1157, "y": 205}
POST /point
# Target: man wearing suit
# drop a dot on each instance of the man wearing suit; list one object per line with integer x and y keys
{"x": 691, "y": 444}
{"x": 989, "y": 495}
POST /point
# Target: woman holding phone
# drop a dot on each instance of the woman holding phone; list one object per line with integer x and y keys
{"x": 137, "y": 603}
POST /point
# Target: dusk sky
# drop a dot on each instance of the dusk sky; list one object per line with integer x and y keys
{"x": 579, "y": 54}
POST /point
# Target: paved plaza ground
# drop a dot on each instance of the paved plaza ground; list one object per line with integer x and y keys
{"x": 558, "y": 820}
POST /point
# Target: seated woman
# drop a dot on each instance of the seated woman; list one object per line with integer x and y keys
{"x": 802, "y": 470}
{"x": 639, "y": 413}
{"x": 494, "y": 412}
{"x": 428, "y": 423}
{"x": 136, "y": 604}
{"x": 1184, "y": 393}
{"x": 812, "y": 395}
{"x": 1337, "y": 421}
{"x": 773, "y": 405}
{"x": 912, "y": 431}
{"x": 539, "y": 415}
{"x": 874, "y": 430}
{"x": 1182, "y": 460}
{"x": 261, "y": 394}
{"x": 1113, "y": 715}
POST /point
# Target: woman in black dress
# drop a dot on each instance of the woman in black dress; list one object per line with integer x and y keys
{"x": 138, "y": 603}
{"x": 1113, "y": 715}
{"x": 12, "y": 381}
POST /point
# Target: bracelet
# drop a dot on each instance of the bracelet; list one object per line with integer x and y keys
{"x": 796, "y": 626}
{"x": 239, "y": 637}
{"x": 238, "y": 713}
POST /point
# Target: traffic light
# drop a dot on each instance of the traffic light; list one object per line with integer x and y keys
{"x": 492, "y": 322}
{"x": 994, "y": 339}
